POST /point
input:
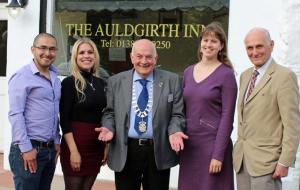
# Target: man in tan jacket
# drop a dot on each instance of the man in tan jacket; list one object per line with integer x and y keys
{"x": 268, "y": 118}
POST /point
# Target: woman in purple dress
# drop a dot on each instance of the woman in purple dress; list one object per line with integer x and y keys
{"x": 210, "y": 94}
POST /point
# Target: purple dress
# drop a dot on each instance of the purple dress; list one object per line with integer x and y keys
{"x": 210, "y": 106}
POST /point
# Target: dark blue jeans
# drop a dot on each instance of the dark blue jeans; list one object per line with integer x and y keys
{"x": 41, "y": 180}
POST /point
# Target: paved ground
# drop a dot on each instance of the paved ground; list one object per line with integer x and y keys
{"x": 6, "y": 181}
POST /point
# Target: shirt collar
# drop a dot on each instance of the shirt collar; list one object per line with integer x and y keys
{"x": 35, "y": 70}
{"x": 264, "y": 68}
{"x": 136, "y": 77}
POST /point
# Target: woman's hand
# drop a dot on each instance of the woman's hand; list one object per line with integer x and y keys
{"x": 215, "y": 166}
{"x": 75, "y": 161}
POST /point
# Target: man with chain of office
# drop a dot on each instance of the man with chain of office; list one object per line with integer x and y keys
{"x": 143, "y": 122}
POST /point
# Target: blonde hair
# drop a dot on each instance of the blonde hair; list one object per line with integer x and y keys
{"x": 80, "y": 83}
{"x": 216, "y": 30}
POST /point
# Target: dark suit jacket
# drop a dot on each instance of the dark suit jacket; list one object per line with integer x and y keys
{"x": 168, "y": 116}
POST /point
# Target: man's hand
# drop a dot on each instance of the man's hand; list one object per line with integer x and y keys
{"x": 215, "y": 166}
{"x": 280, "y": 171}
{"x": 176, "y": 141}
{"x": 105, "y": 134}
{"x": 57, "y": 148}
{"x": 29, "y": 159}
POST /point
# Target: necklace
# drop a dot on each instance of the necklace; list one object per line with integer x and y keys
{"x": 91, "y": 84}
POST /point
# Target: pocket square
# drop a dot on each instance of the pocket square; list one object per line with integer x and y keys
{"x": 170, "y": 98}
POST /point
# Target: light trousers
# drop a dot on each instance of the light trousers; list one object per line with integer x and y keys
{"x": 265, "y": 182}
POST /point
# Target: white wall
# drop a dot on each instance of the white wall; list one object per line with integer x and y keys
{"x": 3, "y": 91}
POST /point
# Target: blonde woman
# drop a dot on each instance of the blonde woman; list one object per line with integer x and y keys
{"x": 82, "y": 101}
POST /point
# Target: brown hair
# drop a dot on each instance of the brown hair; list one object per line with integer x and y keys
{"x": 216, "y": 30}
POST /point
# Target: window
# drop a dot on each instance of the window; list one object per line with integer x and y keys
{"x": 174, "y": 27}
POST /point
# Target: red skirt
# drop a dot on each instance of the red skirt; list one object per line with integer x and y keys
{"x": 90, "y": 148}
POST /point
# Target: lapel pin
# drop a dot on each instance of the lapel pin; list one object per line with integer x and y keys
{"x": 160, "y": 84}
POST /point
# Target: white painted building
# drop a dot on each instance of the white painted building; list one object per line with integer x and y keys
{"x": 281, "y": 17}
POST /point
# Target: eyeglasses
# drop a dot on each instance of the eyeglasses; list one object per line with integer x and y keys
{"x": 45, "y": 48}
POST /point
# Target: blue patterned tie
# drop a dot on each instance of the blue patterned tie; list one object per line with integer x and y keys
{"x": 142, "y": 103}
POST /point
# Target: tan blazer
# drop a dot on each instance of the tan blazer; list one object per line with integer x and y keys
{"x": 268, "y": 122}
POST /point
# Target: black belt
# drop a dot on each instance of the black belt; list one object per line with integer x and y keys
{"x": 140, "y": 142}
{"x": 49, "y": 144}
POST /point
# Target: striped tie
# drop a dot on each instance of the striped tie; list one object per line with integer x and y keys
{"x": 252, "y": 82}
